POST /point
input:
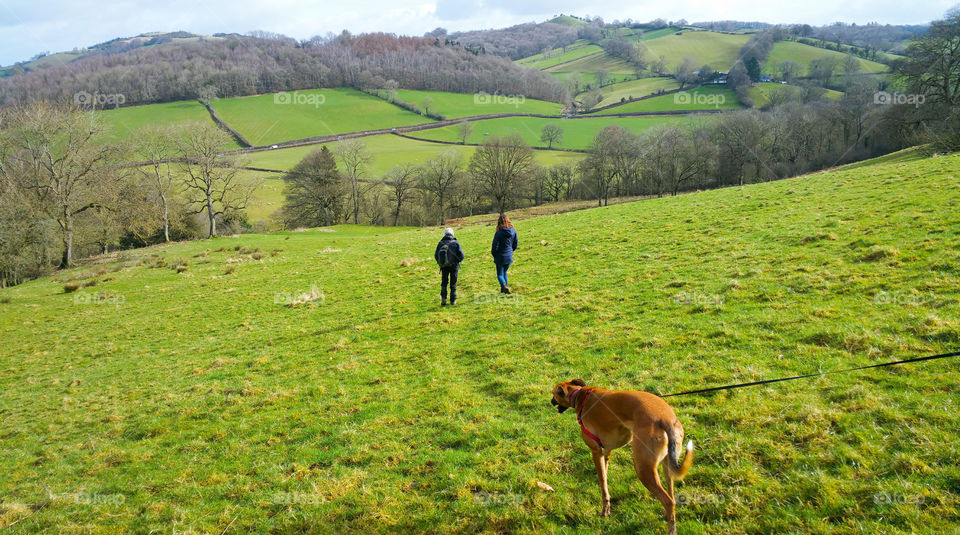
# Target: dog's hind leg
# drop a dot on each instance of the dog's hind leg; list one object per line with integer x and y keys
{"x": 647, "y": 454}
{"x": 601, "y": 461}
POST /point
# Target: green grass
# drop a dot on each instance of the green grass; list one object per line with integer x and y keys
{"x": 760, "y": 93}
{"x": 589, "y": 65}
{"x": 708, "y": 97}
{"x": 454, "y": 105}
{"x": 636, "y": 88}
{"x": 123, "y": 123}
{"x": 198, "y": 399}
{"x": 577, "y": 133}
{"x": 389, "y": 150}
{"x": 577, "y": 50}
{"x": 267, "y": 119}
{"x": 804, "y": 54}
{"x": 718, "y": 50}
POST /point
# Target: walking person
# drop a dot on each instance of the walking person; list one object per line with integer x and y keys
{"x": 448, "y": 256}
{"x": 504, "y": 244}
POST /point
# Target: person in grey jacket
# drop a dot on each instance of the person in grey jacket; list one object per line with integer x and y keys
{"x": 448, "y": 256}
{"x": 504, "y": 244}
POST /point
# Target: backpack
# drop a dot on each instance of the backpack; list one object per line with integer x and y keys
{"x": 445, "y": 255}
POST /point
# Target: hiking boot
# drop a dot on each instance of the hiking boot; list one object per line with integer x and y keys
{"x": 453, "y": 302}
{"x": 506, "y": 290}
{"x": 503, "y": 289}
{"x": 443, "y": 302}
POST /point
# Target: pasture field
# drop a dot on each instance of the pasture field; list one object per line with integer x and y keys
{"x": 708, "y": 97}
{"x": 636, "y": 88}
{"x": 761, "y": 92}
{"x": 123, "y": 123}
{"x": 719, "y": 50}
{"x": 389, "y": 150}
{"x": 273, "y": 118}
{"x": 455, "y": 105}
{"x": 804, "y": 54}
{"x": 577, "y": 50}
{"x": 577, "y": 133}
{"x": 200, "y": 401}
{"x": 589, "y": 65}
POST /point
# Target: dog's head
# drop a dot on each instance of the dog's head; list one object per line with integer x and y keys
{"x": 561, "y": 394}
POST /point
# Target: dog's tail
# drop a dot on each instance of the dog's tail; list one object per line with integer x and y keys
{"x": 678, "y": 468}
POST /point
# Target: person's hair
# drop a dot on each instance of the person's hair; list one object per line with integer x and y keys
{"x": 504, "y": 222}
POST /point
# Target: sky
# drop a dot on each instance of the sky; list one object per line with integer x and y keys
{"x": 29, "y": 27}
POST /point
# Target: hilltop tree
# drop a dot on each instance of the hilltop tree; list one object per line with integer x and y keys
{"x": 551, "y": 134}
{"x": 354, "y": 157}
{"x": 501, "y": 167}
{"x": 210, "y": 178}
{"x": 314, "y": 192}
{"x": 56, "y": 158}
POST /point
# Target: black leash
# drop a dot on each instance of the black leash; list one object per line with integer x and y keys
{"x": 768, "y": 381}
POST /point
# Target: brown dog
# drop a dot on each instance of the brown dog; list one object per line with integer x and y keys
{"x": 610, "y": 419}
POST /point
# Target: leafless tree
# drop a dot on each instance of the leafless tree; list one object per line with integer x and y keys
{"x": 464, "y": 129}
{"x": 212, "y": 180}
{"x": 156, "y": 146}
{"x": 354, "y": 158}
{"x": 401, "y": 181}
{"x": 501, "y": 168}
{"x": 439, "y": 176}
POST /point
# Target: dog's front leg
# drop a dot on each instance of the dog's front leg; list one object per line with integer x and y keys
{"x": 600, "y": 462}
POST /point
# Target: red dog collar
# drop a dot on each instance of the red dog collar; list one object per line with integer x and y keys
{"x": 573, "y": 400}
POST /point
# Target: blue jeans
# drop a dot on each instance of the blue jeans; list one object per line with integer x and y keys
{"x": 502, "y": 273}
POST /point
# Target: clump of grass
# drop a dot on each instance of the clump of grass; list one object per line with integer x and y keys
{"x": 202, "y": 253}
{"x": 407, "y": 262}
{"x": 823, "y": 236}
{"x": 312, "y": 296}
{"x": 230, "y": 270}
{"x": 276, "y": 251}
{"x": 71, "y": 287}
{"x": 257, "y": 255}
{"x": 179, "y": 264}
{"x": 5, "y": 299}
{"x": 248, "y": 250}
{"x": 880, "y": 252}
{"x": 89, "y": 283}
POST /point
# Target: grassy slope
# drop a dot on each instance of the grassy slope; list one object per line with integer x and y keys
{"x": 577, "y": 133}
{"x": 715, "y": 49}
{"x": 387, "y": 151}
{"x": 263, "y": 121}
{"x": 201, "y": 401}
{"x": 454, "y": 105}
{"x": 123, "y": 123}
{"x": 700, "y": 98}
{"x": 760, "y": 93}
{"x": 636, "y": 88}
{"x": 577, "y": 50}
{"x": 804, "y": 54}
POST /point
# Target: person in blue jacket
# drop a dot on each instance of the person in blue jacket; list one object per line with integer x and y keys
{"x": 504, "y": 244}
{"x": 448, "y": 256}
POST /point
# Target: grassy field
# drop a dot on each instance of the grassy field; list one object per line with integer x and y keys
{"x": 389, "y": 150}
{"x": 636, "y": 88}
{"x": 123, "y": 123}
{"x": 267, "y": 119}
{"x": 199, "y": 401}
{"x": 709, "y": 97}
{"x": 589, "y": 65}
{"x": 804, "y": 54}
{"x": 577, "y": 133}
{"x": 577, "y": 50}
{"x": 454, "y": 105}
{"x": 760, "y": 93}
{"x": 718, "y": 50}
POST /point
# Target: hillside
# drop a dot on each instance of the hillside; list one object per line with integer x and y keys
{"x": 199, "y": 399}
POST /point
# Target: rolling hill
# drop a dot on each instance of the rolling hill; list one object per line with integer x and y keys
{"x": 199, "y": 397}
{"x": 804, "y": 54}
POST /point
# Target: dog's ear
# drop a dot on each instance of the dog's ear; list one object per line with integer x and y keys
{"x": 578, "y": 382}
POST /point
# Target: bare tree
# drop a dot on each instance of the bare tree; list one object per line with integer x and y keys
{"x": 401, "y": 180}
{"x": 57, "y": 156}
{"x": 685, "y": 73}
{"x": 355, "y": 159}
{"x": 157, "y": 146}
{"x": 501, "y": 167}
{"x": 464, "y": 129}
{"x": 613, "y": 162}
{"x": 439, "y": 176}
{"x": 210, "y": 178}
{"x": 559, "y": 181}
{"x": 426, "y": 103}
{"x": 551, "y": 134}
